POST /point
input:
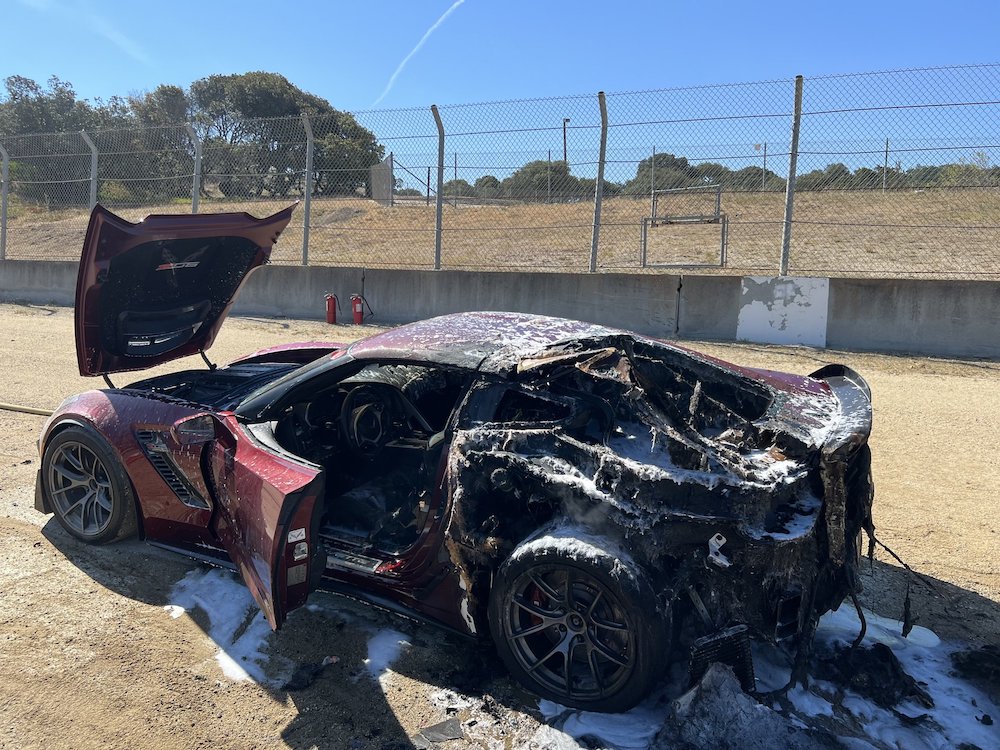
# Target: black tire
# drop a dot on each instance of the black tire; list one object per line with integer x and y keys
{"x": 86, "y": 487}
{"x": 560, "y": 601}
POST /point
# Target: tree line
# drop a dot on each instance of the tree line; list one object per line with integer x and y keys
{"x": 249, "y": 149}
{"x": 552, "y": 181}
{"x": 253, "y": 147}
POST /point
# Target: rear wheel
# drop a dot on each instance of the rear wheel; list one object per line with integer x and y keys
{"x": 578, "y": 629}
{"x": 86, "y": 486}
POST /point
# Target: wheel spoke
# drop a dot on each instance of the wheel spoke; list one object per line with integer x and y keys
{"x": 85, "y": 506}
{"x": 74, "y": 461}
{"x": 552, "y": 615}
{"x": 560, "y": 648}
{"x": 103, "y": 500}
{"x": 595, "y": 671}
{"x": 593, "y": 604}
{"x": 83, "y": 499}
{"x": 547, "y": 622}
{"x": 73, "y": 478}
{"x": 544, "y": 586}
{"x": 608, "y": 625}
{"x": 606, "y": 652}
{"x": 568, "y": 669}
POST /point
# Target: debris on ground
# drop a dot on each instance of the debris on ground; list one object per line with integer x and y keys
{"x": 449, "y": 729}
{"x": 306, "y": 674}
{"x": 873, "y": 672}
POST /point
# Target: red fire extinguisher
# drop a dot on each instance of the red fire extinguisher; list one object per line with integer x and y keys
{"x": 332, "y": 303}
{"x": 358, "y": 308}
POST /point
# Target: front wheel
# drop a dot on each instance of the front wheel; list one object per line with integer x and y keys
{"x": 86, "y": 486}
{"x": 575, "y": 625}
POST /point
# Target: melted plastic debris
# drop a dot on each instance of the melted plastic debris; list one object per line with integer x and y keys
{"x": 716, "y": 713}
{"x": 238, "y": 627}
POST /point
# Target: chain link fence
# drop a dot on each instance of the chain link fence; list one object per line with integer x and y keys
{"x": 895, "y": 174}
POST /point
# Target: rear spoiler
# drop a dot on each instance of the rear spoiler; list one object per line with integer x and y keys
{"x": 855, "y": 398}
{"x": 835, "y": 375}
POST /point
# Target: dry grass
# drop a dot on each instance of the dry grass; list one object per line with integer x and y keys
{"x": 935, "y": 232}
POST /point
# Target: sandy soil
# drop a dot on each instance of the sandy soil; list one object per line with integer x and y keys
{"x": 92, "y": 659}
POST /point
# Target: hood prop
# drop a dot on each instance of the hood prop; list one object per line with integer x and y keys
{"x": 211, "y": 366}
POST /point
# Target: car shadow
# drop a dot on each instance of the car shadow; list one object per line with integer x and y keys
{"x": 344, "y": 707}
{"x": 436, "y": 673}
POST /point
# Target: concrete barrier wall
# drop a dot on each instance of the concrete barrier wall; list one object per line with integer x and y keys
{"x": 646, "y": 303}
{"x": 944, "y": 318}
{"x": 41, "y": 282}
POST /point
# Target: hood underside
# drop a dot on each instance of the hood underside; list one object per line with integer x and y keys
{"x": 154, "y": 291}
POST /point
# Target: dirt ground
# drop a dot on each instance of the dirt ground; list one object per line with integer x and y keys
{"x": 92, "y": 660}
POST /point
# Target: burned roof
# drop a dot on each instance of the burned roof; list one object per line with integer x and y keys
{"x": 468, "y": 339}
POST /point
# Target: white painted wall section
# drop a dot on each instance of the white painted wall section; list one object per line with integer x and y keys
{"x": 783, "y": 310}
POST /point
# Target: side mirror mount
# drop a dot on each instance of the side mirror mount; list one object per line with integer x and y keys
{"x": 196, "y": 430}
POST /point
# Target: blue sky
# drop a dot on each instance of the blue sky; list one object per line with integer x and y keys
{"x": 483, "y": 49}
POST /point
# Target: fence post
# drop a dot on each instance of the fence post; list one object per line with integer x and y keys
{"x": 196, "y": 177}
{"x": 4, "y": 191}
{"x": 93, "y": 168}
{"x": 307, "y": 189}
{"x": 548, "y": 179}
{"x": 440, "y": 188}
{"x": 763, "y": 169}
{"x": 428, "y": 186}
{"x": 392, "y": 179}
{"x": 599, "y": 183}
{"x": 793, "y": 155}
{"x": 652, "y": 184}
{"x": 885, "y": 165}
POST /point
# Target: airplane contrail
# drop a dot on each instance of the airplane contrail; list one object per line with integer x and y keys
{"x": 415, "y": 50}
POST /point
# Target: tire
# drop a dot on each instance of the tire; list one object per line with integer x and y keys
{"x": 561, "y": 600}
{"x": 86, "y": 487}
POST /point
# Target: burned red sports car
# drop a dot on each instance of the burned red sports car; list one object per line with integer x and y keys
{"x": 593, "y": 499}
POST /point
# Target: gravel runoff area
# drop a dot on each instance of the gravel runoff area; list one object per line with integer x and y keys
{"x": 128, "y": 646}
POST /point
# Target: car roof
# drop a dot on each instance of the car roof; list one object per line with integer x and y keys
{"x": 469, "y": 339}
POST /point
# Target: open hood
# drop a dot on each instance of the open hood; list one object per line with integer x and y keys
{"x": 159, "y": 290}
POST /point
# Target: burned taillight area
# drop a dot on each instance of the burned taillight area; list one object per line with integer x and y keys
{"x": 847, "y": 498}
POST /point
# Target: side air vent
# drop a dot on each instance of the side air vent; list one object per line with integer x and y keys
{"x": 159, "y": 456}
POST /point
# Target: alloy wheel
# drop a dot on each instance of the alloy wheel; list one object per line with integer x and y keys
{"x": 80, "y": 488}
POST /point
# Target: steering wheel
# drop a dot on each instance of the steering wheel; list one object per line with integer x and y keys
{"x": 367, "y": 420}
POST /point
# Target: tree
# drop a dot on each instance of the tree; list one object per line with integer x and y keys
{"x": 666, "y": 171}
{"x": 344, "y": 152}
{"x": 29, "y": 108}
{"x": 487, "y": 187}
{"x": 58, "y": 165}
{"x": 458, "y": 187}
{"x": 253, "y": 148}
{"x": 541, "y": 180}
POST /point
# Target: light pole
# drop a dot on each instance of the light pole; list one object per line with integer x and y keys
{"x": 565, "y": 120}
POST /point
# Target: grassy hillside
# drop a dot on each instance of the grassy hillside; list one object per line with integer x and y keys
{"x": 934, "y": 232}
